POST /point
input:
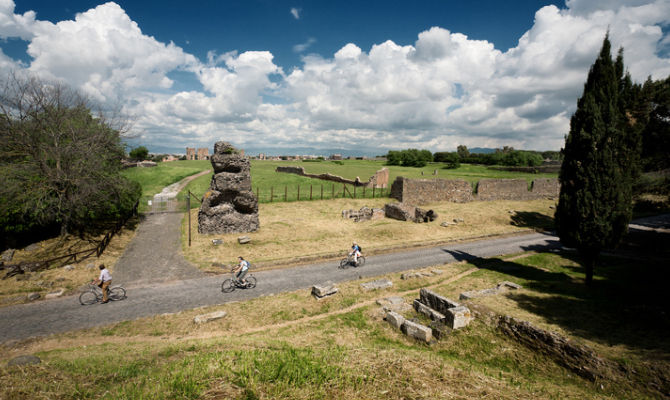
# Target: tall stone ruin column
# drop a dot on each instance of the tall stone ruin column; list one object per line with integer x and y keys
{"x": 229, "y": 205}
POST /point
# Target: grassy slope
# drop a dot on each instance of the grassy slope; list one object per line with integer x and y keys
{"x": 291, "y": 346}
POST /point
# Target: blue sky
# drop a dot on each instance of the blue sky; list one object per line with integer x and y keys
{"x": 313, "y": 77}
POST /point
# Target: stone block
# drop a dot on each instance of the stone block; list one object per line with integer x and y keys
{"x": 55, "y": 294}
{"x": 458, "y": 317}
{"x": 394, "y": 319}
{"x": 33, "y": 296}
{"x": 509, "y": 285}
{"x": 417, "y": 331}
{"x": 217, "y": 242}
{"x": 400, "y": 211}
{"x": 213, "y": 316}
{"x": 243, "y": 240}
{"x": 68, "y": 267}
{"x": 321, "y": 291}
{"x": 376, "y": 285}
{"x": 393, "y": 300}
{"x": 427, "y": 311}
{"x": 7, "y": 255}
{"x": 435, "y": 301}
{"x": 440, "y": 330}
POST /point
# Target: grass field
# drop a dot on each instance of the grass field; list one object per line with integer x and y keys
{"x": 291, "y": 346}
{"x": 266, "y": 182}
{"x": 294, "y": 232}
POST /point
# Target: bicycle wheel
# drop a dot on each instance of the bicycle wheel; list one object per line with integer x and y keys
{"x": 117, "y": 293}
{"x": 361, "y": 261}
{"x": 251, "y": 282}
{"x": 344, "y": 263}
{"x": 227, "y": 286}
{"x": 87, "y": 298}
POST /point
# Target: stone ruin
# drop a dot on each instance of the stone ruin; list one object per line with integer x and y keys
{"x": 408, "y": 212}
{"x": 229, "y": 205}
{"x": 364, "y": 214}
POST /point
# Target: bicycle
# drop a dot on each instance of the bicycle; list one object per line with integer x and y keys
{"x": 349, "y": 260}
{"x": 231, "y": 284}
{"x": 93, "y": 294}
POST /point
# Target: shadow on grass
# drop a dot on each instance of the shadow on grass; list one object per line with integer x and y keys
{"x": 628, "y": 303}
{"x": 533, "y": 220}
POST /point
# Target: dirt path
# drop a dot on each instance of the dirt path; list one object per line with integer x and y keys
{"x": 154, "y": 255}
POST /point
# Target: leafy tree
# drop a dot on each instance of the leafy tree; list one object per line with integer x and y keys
{"x": 139, "y": 153}
{"x": 463, "y": 151}
{"x": 409, "y": 157}
{"x": 594, "y": 206}
{"x": 60, "y": 164}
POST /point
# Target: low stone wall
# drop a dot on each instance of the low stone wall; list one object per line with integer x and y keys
{"x": 378, "y": 180}
{"x": 423, "y": 191}
{"x": 503, "y": 189}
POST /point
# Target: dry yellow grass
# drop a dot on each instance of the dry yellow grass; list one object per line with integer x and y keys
{"x": 15, "y": 291}
{"x": 304, "y": 231}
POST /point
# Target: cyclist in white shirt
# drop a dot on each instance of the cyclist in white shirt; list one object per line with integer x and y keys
{"x": 104, "y": 280}
{"x": 241, "y": 269}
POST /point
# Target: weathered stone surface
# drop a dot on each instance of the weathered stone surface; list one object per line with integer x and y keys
{"x": 509, "y": 285}
{"x": 458, "y": 317}
{"x": 417, "y": 331}
{"x": 224, "y": 163}
{"x": 437, "y": 271}
{"x": 422, "y": 215}
{"x": 33, "y": 296}
{"x": 400, "y": 211}
{"x": 376, "y": 285}
{"x": 229, "y": 205}
{"x": 324, "y": 290}
{"x": 500, "y": 288}
{"x": 503, "y": 189}
{"x": 440, "y": 330}
{"x": 394, "y": 319}
{"x": 243, "y": 240}
{"x": 435, "y": 301}
{"x": 56, "y": 294}
{"x": 393, "y": 300}
{"x": 7, "y": 255}
{"x": 578, "y": 358}
{"x": 69, "y": 267}
{"x": 90, "y": 266}
{"x": 24, "y": 360}
{"x": 427, "y": 311}
{"x": 217, "y": 242}
{"x": 423, "y": 191}
{"x": 364, "y": 214}
{"x": 32, "y": 247}
{"x": 414, "y": 275}
{"x": 213, "y": 316}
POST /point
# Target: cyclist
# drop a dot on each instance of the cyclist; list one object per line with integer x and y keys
{"x": 103, "y": 281}
{"x": 355, "y": 252}
{"x": 241, "y": 270}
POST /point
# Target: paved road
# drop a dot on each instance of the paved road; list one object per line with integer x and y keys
{"x": 65, "y": 314}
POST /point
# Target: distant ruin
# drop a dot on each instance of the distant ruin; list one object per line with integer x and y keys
{"x": 423, "y": 191}
{"x": 379, "y": 180}
{"x": 229, "y": 205}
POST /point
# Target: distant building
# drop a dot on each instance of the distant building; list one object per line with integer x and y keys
{"x": 201, "y": 154}
{"x": 261, "y": 156}
{"x": 335, "y": 156}
{"x": 170, "y": 157}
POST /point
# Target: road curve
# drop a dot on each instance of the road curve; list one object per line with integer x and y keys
{"x": 66, "y": 314}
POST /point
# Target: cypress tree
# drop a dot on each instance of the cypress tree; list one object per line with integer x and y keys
{"x": 595, "y": 203}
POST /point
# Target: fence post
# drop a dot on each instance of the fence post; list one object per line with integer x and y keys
{"x": 344, "y": 189}
{"x": 354, "y": 191}
{"x": 322, "y": 191}
{"x": 363, "y": 191}
{"x": 188, "y": 210}
{"x": 285, "y": 193}
{"x": 298, "y": 193}
{"x": 272, "y": 193}
{"x": 310, "y": 191}
{"x": 332, "y": 196}
{"x": 373, "y": 191}
{"x": 257, "y": 196}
